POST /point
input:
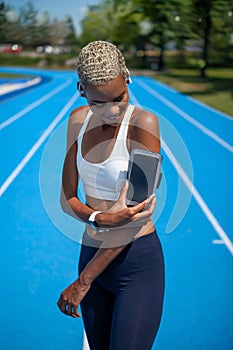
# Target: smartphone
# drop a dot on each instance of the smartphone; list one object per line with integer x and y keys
{"x": 144, "y": 175}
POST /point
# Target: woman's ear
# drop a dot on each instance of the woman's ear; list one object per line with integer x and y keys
{"x": 80, "y": 89}
{"x": 128, "y": 78}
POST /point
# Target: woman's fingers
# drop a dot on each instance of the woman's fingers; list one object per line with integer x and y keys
{"x": 68, "y": 308}
{"x": 149, "y": 211}
{"x": 123, "y": 215}
{"x": 75, "y": 312}
{"x": 72, "y": 310}
{"x": 145, "y": 209}
{"x": 146, "y": 203}
{"x": 62, "y": 304}
{"x": 71, "y": 297}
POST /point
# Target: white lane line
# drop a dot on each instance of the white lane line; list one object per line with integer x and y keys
{"x": 36, "y": 146}
{"x": 35, "y": 104}
{"x": 217, "y": 241}
{"x": 184, "y": 115}
{"x": 6, "y": 88}
{"x": 85, "y": 342}
{"x": 200, "y": 201}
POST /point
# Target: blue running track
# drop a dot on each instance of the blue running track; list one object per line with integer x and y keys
{"x": 40, "y": 244}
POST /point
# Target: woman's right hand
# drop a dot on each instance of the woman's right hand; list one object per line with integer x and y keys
{"x": 120, "y": 215}
{"x": 72, "y": 296}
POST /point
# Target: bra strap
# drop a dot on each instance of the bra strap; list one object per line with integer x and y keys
{"x": 122, "y": 134}
{"x": 83, "y": 128}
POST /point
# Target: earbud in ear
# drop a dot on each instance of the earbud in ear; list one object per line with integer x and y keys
{"x": 80, "y": 89}
{"x": 128, "y": 79}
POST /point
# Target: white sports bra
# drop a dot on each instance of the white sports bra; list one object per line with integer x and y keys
{"x": 105, "y": 180}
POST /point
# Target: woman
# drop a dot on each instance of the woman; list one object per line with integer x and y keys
{"x": 121, "y": 270}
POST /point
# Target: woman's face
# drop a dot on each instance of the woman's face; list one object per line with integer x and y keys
{"x": 108, "y": 101}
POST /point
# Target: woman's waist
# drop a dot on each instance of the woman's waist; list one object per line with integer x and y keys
{"x": 116, "y": 237}
{"x": 99, "y": 203}
{"x": 141, "y": 254}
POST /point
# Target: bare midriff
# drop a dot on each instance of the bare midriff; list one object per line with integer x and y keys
{"x": 116, "y": 236}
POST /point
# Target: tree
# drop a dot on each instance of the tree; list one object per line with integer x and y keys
{"x": 160, "y": 14}
{"x": 134, "y": 23}
{"x": 126, "y": 24}
{"x": 151, "y": 24}
{"x": 202, "y": 25}
{"x": 43, "y": 24}
{"x": 32, "y": 28}
{"x": 209, "y": 22}
{"x": 96, "y": 24}
{"x": 10, "y": 26}
{"x": 71, "y": 38}
{"x": 28, "y": 16}
{"x": 2, "y": 22}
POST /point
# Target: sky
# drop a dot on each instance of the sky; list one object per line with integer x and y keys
{"x": 58, "y": 8}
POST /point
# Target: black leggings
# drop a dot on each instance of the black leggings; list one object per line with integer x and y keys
{"x": 123, "y": 308}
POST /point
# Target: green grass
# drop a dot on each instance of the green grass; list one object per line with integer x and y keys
{"x": 13, "y": 75}
{"x": 17, "y": 60}
{"x": 45, "y": 61}
{"x": 215, "y": 90}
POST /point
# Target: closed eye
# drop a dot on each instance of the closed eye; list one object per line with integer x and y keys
{"x": 98, "y": 104}
{"x": 120, "y": 97}
{"x": 101, "y": 103}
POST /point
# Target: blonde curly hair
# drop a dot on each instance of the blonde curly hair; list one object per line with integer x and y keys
{"x": 99, "y": 62}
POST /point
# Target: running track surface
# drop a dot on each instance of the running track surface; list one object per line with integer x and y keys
{"x": 38, "y": 260}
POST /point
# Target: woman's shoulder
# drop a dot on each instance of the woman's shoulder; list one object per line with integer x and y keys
{"x": 143, "y": 118}
{"x": 144, "y": 130}
{"x": 79, "y": 114}
{"x": 76, "y": 120}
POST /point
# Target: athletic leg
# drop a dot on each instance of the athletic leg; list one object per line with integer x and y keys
{"x": 139, "y": 301}
{"x": 97, "y": 309}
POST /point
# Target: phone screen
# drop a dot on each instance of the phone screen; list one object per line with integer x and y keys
{"x": 142, "y": 177}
